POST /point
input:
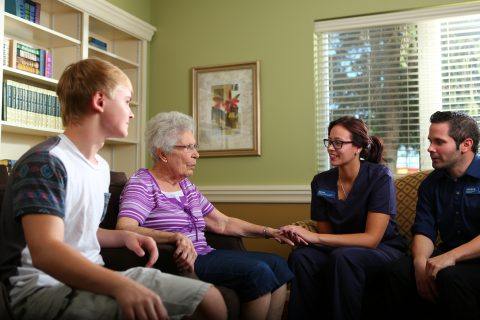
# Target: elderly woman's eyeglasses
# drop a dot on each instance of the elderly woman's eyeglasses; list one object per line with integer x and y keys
{"x": 188, "y": 147}
{"x": 337, "y": 144}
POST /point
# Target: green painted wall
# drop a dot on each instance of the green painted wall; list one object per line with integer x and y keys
{"x": 139, "y": 8}
{"x": 279, "y": 33}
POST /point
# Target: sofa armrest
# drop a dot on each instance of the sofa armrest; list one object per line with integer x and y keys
{"x": 219, "y": 241}
{"x": 120, "y": 259}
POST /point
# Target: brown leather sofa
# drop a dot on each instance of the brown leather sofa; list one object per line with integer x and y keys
{"x": 122, "y": 259}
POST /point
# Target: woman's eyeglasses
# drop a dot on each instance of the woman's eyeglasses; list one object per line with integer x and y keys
{"x": 188, "y": 147}
{"x": 337, "y": 144}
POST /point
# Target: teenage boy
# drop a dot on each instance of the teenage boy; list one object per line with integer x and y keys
{"x": 50, "y": 238}
{"x": 443, "y": 283}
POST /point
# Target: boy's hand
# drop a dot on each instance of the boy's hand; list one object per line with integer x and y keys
{"x": 139, "y": 302}
{"x": 137, "y": 243}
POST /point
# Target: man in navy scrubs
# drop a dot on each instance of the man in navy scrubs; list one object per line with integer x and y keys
{"x": 443, "y": 280}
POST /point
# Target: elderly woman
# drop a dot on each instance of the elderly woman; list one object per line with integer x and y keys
{"x": 161, "y": 202}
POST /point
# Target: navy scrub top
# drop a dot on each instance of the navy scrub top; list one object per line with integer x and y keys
{"x": 373, "y": 191}
{"x": 449, "y": 206}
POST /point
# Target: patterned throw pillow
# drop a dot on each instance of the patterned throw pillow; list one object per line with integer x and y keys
{"x": 407, "y": 197}
{"x": 310, "y": 225}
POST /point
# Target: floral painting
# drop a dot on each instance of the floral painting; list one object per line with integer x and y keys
{"x": 226, "y": 109}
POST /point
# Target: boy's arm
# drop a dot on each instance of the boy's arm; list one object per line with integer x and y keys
{"x": 44, "y": 237}
{"x": 133, "y": 241}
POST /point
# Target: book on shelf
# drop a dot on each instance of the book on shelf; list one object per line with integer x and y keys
{"x": 25, "y": 9}
{"x": 25, "y": 57}
{"x": 30, "y": 106}
{"x": 48, "y": 64}
{"x": 97, "y": 43}
{"x": 38, "y": 8}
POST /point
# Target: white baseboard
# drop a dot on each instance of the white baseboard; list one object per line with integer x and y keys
{"x": 258, "y": 193}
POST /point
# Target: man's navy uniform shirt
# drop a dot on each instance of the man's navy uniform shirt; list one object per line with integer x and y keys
{"x": 450, "y": 207}
{"x": 373, "y": 191}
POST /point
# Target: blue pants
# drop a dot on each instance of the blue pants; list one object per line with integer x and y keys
{"x": 329, "y": 282}
{"x": 250, "y": 274}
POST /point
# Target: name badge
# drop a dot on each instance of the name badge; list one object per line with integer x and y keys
{"x": 326, "y": 194}
{"x": 472, "y": 190}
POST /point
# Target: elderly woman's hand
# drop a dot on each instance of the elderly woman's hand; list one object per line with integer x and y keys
{"x": 278, "y": 236}
{"x": 297, "y": 234}
{"x": 185, "y": 254}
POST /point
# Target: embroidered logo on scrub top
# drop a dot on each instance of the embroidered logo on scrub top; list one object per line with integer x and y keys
{"x": 472, "y": 190}
{"x": 326, "y": 194}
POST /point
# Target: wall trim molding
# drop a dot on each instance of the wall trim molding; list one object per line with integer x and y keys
{"x": 120, "y": 19}
{"x": 257, "y": 193}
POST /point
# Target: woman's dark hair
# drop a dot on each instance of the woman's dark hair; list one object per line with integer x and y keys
{"x": 372, "y": 146}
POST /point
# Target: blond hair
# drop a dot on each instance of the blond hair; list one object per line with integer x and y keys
{"x": 80, "y": 81}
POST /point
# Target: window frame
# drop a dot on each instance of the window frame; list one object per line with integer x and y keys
{"x": 417, "y": 16}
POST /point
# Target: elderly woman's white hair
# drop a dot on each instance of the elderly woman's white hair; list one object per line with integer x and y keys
{"x": 164, "y": 129}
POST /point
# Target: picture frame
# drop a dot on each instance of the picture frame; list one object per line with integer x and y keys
{"x": 226, "y": 109}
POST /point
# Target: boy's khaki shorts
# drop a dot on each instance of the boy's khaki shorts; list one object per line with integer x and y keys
{"x": 179, "y": 295}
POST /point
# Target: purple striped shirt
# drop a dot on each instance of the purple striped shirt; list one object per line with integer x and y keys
{"x": 143, "y": 201}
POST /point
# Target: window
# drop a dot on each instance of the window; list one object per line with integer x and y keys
{"x": 393, "y": 71}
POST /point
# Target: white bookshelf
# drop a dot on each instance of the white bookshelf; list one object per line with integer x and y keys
{"x": 31, "y": 78}
{"x": 32, "y": 32}
{"x": 9, "y": 127}
{"x": 64, "y": 29}
{"x": 113, "y": 58}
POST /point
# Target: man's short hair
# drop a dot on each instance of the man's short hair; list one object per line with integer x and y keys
{"x": 461, "y": 127}
{"x": 80, "y": 81}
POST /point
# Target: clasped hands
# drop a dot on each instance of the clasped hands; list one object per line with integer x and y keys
{"x": 291, "y": 235}
{"x": 185, "y": 253}
{"x": 298, "y": 235}
{"x": 426, "y": 271}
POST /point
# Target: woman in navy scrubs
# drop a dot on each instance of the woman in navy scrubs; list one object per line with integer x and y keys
{"x": 354, "y": 207}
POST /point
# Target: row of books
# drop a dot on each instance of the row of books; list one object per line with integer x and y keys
{"x": 24, "y": 9}
{"x": 25, "y": 57}
{"x": 31, "y": 106}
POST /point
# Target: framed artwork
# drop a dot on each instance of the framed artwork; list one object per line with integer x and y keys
{"x": 226, "y": 109}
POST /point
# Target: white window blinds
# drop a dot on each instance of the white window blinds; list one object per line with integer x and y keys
{"x": 460, "y": 50}
{"x": 394, "y": 77}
